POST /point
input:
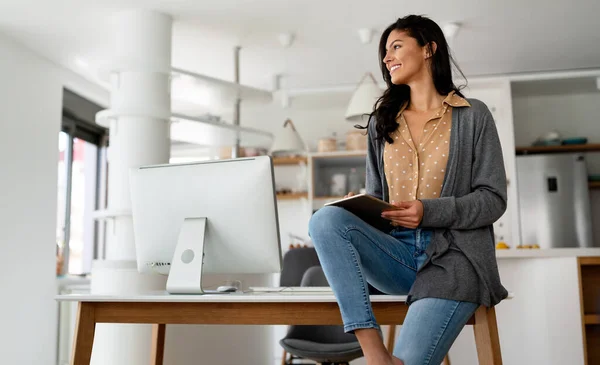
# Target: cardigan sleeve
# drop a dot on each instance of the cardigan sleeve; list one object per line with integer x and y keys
{"x": 373, "y": 175}
{"x": 487, "y": 200}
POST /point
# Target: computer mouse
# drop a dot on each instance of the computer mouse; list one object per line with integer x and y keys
{"x": 226, "y": 289}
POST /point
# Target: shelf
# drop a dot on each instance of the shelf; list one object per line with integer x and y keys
{"x": 226, "y": 90}
{"x": 529, "y": 150}
{"x": 201, "y": 92}
{"x": 292, "y": 196}
{"x": 594, "y": 184}
{"x": 328, "y": 197}
{"x": 201, "y": 131}
{"x": 339, "y": 154}
{"x": 594, "y": 260}
{"x": 204, "y": 132}
{"x": 280, "y": 161}
{"x": 591, "y": 319}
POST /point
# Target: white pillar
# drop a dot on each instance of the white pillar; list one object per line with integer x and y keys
{"x": 139, "y": 114}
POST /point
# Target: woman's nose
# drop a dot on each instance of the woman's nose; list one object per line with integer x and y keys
{"x": 387, "y": 58}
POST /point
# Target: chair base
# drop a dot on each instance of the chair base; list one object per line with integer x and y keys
{"x": 296, "y": 360}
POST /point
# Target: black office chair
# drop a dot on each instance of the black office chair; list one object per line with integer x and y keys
{"x": 295, "y": 263}
{"x": 328, "y": 345}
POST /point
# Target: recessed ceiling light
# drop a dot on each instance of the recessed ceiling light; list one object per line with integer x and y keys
{"x": 285, "y": 39}
{"x": 365, "y": 35}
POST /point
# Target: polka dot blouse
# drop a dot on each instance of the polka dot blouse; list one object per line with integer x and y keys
{"x": 417, "y": 172}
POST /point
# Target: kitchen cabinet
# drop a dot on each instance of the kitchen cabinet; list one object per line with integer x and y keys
{"x": 552, "y": 318}
{"x": 589, "y": 286}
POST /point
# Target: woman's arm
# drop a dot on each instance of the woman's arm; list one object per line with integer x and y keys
{"x": 487, "y": 201}
{"x": 373, "y": 178}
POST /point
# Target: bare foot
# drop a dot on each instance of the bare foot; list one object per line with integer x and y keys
{"x": 397, "y": 361}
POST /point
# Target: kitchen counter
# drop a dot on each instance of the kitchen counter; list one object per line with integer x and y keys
{"x": 516, "y": 253}
{"x": 545, "y": 322}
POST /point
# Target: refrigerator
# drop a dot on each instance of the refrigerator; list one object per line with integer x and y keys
{"x": 554, "y": 200}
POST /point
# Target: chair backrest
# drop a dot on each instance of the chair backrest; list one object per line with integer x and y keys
{"x": 314, "y": 276}
{"x": 295, "y": 263}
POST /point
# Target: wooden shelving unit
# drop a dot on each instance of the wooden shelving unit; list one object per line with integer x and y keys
{"x": 592, "y": 319}
{"x": 594, "y": 184}
{"x": 589, "y": 261}
{"x": 282, "y": 161}
{"x": 338, "y": 154}
{"x": 530, "y": 150}
{"x": 328, "y": 197}
{"x": 589, "y": 287}
{"x": 292, "y": 196}
{"x": 325, "y": 165}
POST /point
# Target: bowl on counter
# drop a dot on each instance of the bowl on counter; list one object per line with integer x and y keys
{"x": 574, "y": 140}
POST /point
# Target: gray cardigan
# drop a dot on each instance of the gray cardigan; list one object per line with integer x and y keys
{"x": 461, "y": 263}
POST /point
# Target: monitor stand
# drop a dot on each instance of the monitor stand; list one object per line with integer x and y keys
{"x": 185, "y": 275}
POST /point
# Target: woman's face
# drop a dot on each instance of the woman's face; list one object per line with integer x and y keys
{"x": 405, "y": 59}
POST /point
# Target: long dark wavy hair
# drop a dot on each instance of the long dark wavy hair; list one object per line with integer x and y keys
{"x": 426, "y": 32}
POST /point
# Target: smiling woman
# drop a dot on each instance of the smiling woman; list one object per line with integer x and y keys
{"x": 412, "y": 48}
{"x": 436, "y": 157}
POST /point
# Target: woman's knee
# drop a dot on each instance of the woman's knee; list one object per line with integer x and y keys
{"x": 326, "y": 220}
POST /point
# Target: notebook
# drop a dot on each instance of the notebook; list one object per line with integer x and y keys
{"x": 368, "y": 208}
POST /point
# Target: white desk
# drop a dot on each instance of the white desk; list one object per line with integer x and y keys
{"x": 247, "y": 297}
{"x": 244, "y": 308}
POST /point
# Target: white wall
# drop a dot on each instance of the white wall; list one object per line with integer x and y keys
{"x": 30, "y": 104}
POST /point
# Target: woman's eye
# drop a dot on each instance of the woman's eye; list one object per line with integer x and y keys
{"x": 396, "y": 46}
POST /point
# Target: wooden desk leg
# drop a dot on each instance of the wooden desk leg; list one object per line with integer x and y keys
{"x": 391, "y": 339}
{"x": 158, "y": 344}
{"x": 486, "y": 337}
{"x": 83, "y": 340}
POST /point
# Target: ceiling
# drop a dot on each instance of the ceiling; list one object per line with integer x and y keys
{"x": 497, "y": 36}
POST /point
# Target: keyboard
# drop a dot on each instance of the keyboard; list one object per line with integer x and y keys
{"x": 291, "y": 289}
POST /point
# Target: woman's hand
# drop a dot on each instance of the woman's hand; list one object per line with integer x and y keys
{"x": 349, "y": 195}
{"x": 409, "y": 214}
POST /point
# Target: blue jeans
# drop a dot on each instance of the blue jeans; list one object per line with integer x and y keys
{"x": 354, "y": 254}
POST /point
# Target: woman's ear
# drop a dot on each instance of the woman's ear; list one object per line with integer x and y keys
{"x": 430, "y": 49}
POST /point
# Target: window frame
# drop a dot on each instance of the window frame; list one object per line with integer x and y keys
{"x": 75, "y": 127}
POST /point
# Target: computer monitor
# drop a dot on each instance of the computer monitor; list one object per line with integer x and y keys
{"x": 212, "y": 217}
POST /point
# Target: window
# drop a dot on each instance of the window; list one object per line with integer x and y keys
{"x": 81, "y": 188}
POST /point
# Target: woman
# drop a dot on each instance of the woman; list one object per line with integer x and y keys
{"x": 437, "y": 157}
